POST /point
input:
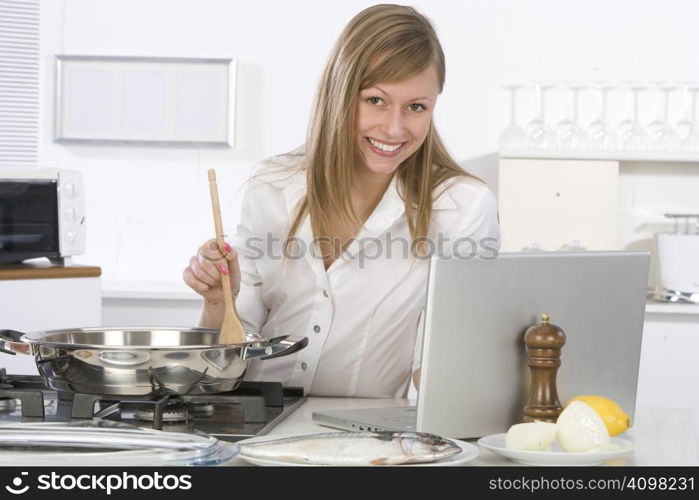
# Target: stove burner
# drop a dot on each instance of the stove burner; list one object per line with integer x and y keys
{"x": 8, "y": 404}
{"x": 177, "y": 412}
{"x": 173, "y": 413}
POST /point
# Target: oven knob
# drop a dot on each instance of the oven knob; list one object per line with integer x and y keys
{"x": 71, "y": 190}
{"x": 70, "y": 214}
{"x": 71, "y": 236}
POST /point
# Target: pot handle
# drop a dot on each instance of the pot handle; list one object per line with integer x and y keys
{"x": 11, "y": 342}
{"x": 286, "y": 346}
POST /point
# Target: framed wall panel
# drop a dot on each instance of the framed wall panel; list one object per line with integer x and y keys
{"x": 145, "y": 100}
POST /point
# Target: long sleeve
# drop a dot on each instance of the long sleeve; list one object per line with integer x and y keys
{"x": 250, "y": 304}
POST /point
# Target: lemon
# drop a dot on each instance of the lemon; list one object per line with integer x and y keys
{"x": 613, "y": 416}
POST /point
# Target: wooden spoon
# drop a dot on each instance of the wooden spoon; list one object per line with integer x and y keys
{"x": 231, "y": 330}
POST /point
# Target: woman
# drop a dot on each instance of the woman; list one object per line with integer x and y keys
{"x": 334, "y": 236}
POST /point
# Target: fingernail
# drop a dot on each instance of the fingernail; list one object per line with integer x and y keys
{"x": 227, "y": 247}
{"x": 224, "y": 269}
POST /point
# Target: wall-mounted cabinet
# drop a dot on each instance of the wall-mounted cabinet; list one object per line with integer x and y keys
{"x": 552, "y": 203}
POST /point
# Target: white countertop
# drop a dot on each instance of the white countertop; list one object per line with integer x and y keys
{"x": 160, "y": 289}
{"x": 171, "y": 290}
{"x": 654, "y": 307}
{"x": 146, "y": 289}
{"x": 662, "y": 436}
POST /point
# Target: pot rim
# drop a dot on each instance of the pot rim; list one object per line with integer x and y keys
{"x": 34, "y": 338}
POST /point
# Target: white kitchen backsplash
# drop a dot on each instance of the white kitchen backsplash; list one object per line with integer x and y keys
{"x": 153, "y": 217}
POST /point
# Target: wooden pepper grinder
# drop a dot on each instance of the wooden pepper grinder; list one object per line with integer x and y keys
{"x": 544, "y": 342}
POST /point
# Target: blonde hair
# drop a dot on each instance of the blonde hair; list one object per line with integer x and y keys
{"x": 384, "y": 43}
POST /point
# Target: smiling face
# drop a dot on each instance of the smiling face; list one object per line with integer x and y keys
{"x": 392, "y": 120}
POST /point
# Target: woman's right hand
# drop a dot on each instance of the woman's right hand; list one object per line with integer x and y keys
{"x": 203, "y": 274}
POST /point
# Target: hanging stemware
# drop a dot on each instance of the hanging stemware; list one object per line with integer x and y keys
{"x": 630, "y": 134}
{"x": 687, "y": 136}
{"x": 599, "y": 134}
{"x": 569, "y": 135}
{"x": 539, "y": 133}
{"x": 513, "y": 137}
{"x": 661, "y": 135}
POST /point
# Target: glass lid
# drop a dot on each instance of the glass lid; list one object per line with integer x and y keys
{"x": 103, "y": 442}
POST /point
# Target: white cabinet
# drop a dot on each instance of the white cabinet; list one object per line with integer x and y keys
{"x": 558, "y": 202}
{"x": 36, "y": 298}
{"x": 669, "y": 371}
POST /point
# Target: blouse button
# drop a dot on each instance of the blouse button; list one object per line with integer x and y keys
{"x": 304, "y": 365}
{"x": 316, "y": 328}
{"x": 325, "y": 293}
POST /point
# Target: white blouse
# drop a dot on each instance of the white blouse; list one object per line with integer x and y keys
{"x": 361, "y": 315}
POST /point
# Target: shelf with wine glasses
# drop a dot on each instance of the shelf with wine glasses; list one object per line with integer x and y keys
{"x": 620, "y": 156}
{"x": 659, "y": 141}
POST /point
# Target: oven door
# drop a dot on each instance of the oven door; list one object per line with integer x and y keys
{"x": 28, "y": 219}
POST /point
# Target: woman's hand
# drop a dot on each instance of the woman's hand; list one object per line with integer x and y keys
{"x": 203, "y": 274}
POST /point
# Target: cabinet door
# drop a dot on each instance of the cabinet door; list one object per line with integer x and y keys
{"x": 46, "y": 304}
{"x": 557, "y": 202}
{"x": 669, "y": 371}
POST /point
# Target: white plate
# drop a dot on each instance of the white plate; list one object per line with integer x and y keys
{"x": 468, "y": 453}
{"x": 496, "y": 444}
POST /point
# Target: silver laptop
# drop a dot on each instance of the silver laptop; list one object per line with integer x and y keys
{"x": 474, "y": 376}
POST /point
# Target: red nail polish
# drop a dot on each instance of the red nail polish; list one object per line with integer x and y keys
{"x": 224, "y": 269}
{"x": 227, "y": 247}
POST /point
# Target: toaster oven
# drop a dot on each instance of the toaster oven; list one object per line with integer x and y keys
{"x": 42, "y": 214}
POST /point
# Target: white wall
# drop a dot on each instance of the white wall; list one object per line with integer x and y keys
{"x": 148, "y": 208}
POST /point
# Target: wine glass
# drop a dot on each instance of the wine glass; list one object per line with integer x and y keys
{"x": 661, "y": 135}
{"x": 630, "y": 135}
{"x": 569, "y": 135}
{"x": 513, "y": 137}
{"x": 687, "y": 137}
{"x": 539, "y": 134}
{"x": 599, "y": 134}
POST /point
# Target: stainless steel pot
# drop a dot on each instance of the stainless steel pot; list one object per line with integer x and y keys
{"x": 142, "y": 360}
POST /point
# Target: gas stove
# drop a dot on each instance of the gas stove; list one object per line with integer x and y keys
{"x": 251, "y": 410}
